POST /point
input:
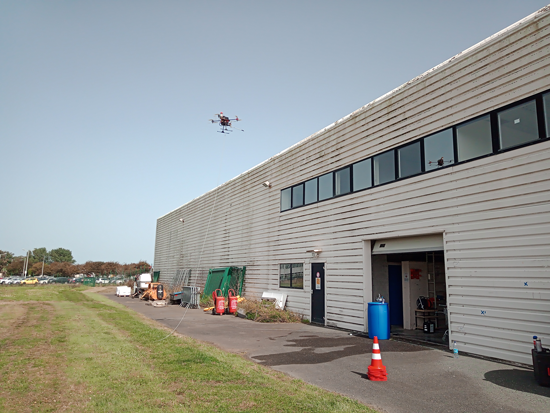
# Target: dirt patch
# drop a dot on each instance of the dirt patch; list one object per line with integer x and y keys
{"x": 10, "y": 313}
{"x": 32, "y": 360}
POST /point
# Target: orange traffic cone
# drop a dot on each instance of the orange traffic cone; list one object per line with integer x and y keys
{"x": 377, "y": 371}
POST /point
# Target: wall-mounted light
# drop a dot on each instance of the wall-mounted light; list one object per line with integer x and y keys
{"x": 315, "y": 253}
{"x": 267, "y": 184}
{"x": 181, "y": 220}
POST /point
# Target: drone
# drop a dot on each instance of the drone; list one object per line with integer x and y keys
{"x": 225, "y": 123}
{"x": 440, "y": 162}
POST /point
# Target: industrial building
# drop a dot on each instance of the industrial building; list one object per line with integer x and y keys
{"x": 440, "y": 188}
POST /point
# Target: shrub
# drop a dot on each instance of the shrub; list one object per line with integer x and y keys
{"x": 265, "y": 312}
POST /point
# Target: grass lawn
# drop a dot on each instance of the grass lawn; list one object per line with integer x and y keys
{"x": 66, "y": 350}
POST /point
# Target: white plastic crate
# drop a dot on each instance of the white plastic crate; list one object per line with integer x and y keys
{"x": 123, "y": 291}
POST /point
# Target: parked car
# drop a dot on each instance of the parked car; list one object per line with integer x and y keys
{"x": 61, "y": 280}
{"x": 102, "y": 281}
{"x": 29, "y": 281}
{"x": 16, "y": 280}
{"x": 43, "y": 280}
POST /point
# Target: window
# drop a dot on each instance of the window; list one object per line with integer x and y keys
{"x": 325, "y": 187}
{"x": 523, "y": 122}
{"x": 518, "y": 125}
{"x": 438, "y": 150}
{"x": 474, "y": 138}
{"x": 362, "y": 175}
{"x": 409, "y": 160}
{"x": 311, "y": 191}
{"x": 343, "y": 181}
{"x": 285, "y": 199}
{"x": 298, "y": 196}
{"x": 546, "y": 106}
{"x": 291, "y": 276}
{"x": 384, "y": 168}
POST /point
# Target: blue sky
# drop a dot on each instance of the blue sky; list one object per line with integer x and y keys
{"x": 104, "y": 105}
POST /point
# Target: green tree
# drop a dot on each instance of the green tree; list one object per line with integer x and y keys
{"x": 6, "y": 258}
{"x": 40, "y": 254}
{"x": 62, "y": 255}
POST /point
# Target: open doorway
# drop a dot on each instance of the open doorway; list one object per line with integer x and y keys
{"x": 402, "y": 273}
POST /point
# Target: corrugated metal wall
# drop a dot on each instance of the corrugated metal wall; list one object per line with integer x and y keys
{"x": 494, "y": 212}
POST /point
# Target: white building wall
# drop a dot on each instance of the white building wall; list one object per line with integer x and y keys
{"x": 494, "y": 212}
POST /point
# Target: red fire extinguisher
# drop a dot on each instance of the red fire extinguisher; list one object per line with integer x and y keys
{"x": 219, "y": 302}
{"x": 232, "y": 301}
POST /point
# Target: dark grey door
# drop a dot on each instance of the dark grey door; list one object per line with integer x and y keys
{"x": 318, "y": 295}
{"x": 396, "y": 295}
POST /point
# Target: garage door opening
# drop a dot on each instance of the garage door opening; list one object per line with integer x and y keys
{"x": 405, "y": 270}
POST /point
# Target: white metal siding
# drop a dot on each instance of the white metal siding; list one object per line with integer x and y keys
{"x": 494, "y": 212}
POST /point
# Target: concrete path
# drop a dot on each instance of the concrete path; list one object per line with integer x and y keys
{"x": 420, "y": 379}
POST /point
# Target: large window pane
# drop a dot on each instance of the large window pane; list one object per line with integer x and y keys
{"x": 384, "y": 168}
{"x": 546, "y": 105}
{"x": 325, "y": 186}
{"x": 362, "y": 175}
{"x": 518, "y": 125}
{"x": 438, "y": 150}
{"x": 291, "y": 275}
{"x": 343, "y": 181}
{"x": 298, "y": 196}
{"x": 474, "y": 138}
{"x": 409, "y": 160}
{"x": 297, "y": 276}
{"x": 311, "y": 191}
{"x": 285, "y": 199}
{"x": 284, "y": 275}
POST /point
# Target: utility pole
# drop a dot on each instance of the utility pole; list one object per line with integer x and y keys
{"x": 27, "y": 264}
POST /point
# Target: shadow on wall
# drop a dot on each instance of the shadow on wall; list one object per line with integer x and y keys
{"x": 520, "y": 380}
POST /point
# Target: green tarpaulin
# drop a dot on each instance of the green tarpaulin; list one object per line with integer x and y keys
{"x": 225, "y": 279}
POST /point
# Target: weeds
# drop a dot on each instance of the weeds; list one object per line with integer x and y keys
{"x": 265, "y": 312}
{"x": 206, "y": 301}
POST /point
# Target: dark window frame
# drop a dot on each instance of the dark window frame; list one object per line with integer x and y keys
{"x": 537, "y": 123}
{"x": 371, "y": 175}
{"x": 291, "y": 264}
{"x": 397, "y": 163}
{"x": 292, "y": 195}
{"x": 495, "y": 146}
{"x": 453, "y": 144}
{"x": 281, "y": 199}
{"x": 319, "y": 187}
{"x": 350, "y": 181}
{"x": 316, "y": 179}
{"x": 492, "y": 137}
{"x": 374, "y": 184}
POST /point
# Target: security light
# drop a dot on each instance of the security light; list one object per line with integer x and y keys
{"x": 181, "y": 220}
{"x": 267, "y": 184}
{"x": 315, "y": 253}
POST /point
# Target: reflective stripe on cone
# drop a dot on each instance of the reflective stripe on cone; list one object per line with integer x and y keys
{"x": 376, "y": 371}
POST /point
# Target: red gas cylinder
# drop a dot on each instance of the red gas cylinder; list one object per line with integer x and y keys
{"x": 232, "y": 302}
{"x": 219, "y": 302}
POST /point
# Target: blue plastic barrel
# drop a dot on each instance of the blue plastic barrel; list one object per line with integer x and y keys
{"x": 379, "y": 320}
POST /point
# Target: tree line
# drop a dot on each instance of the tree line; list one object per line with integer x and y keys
{"x": 59, "y": 262}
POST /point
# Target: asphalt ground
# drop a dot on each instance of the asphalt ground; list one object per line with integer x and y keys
{"x": 420, "y": 379}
